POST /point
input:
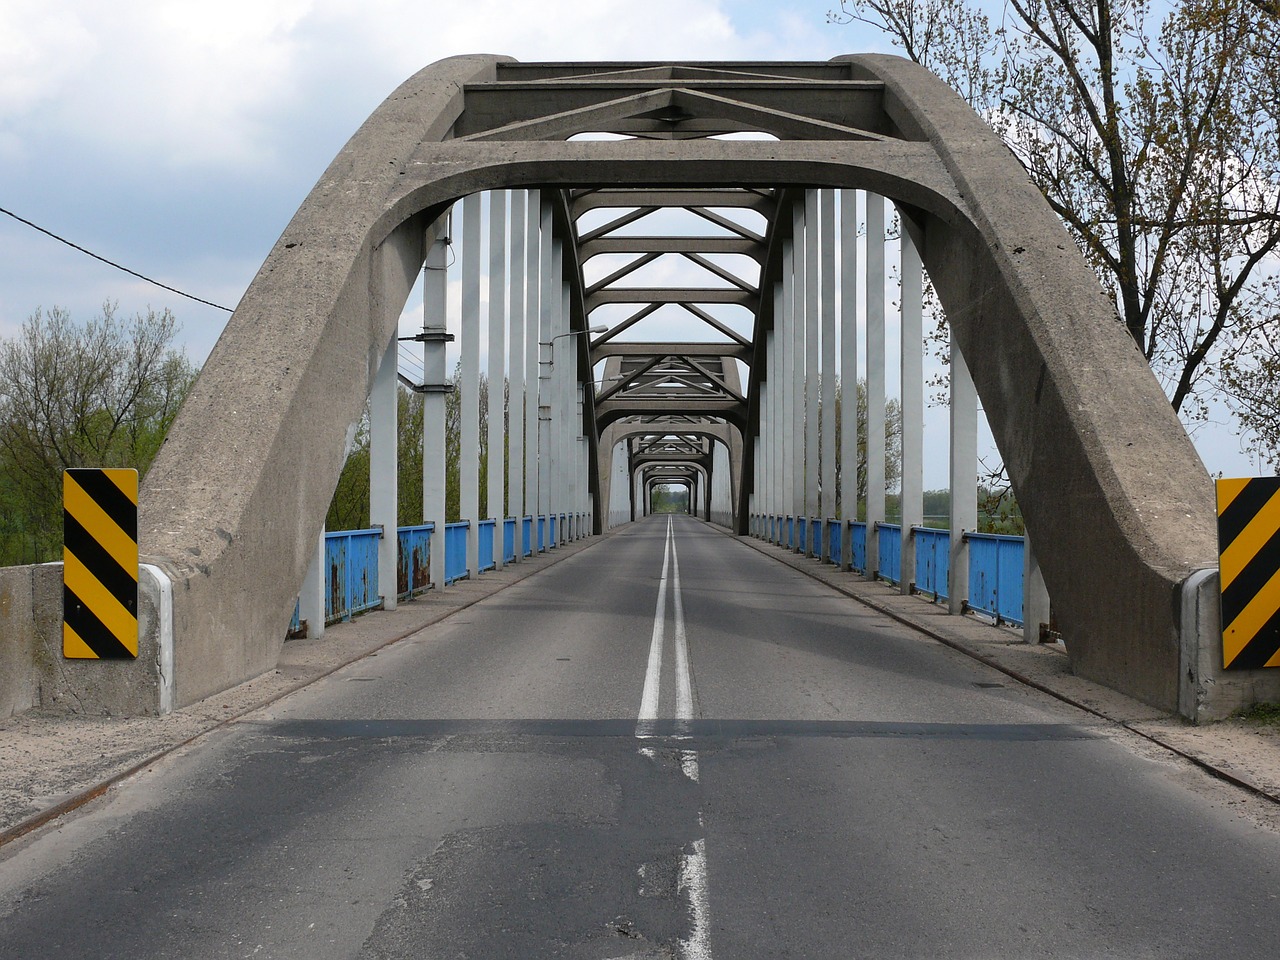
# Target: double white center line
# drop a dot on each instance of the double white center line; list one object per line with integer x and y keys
{"x": 693, "y": 863}
{"x": 646, "y": 724}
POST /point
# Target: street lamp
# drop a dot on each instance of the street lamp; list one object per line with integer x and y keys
{"x": 547, "y": 344}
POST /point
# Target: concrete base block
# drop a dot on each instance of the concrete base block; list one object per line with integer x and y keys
{"x": 1207, "y": 692}
{"x": 34, "y": 673}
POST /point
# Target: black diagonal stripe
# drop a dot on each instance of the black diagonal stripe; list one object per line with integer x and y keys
{"x": 1250, "y": 500}
{"x": 1250, "y": 581}
{"x": 1261, "y": 648}
{"x": 117, "y": 506}
{"x": 122, "y": 584}
{"x": 91, "y": 630}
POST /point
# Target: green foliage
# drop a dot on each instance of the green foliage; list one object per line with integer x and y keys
{"x": 99, "y": 394}
{"x": 669, "y": 499}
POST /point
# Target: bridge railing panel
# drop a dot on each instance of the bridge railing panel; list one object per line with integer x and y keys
{"x": 933, "y": 560}
{"x": 351, "y": 563}
{"x": 995, "y": 575}
{"x": 526, "y": 536}
{"x": 455, "y": 551}
{"x": 485, "y": 544}
{"x": 859, "y": 546}
{"x": 835, "y": 541}
{"x": 509, "y": 539}
{"x": 413, "y": 560}
{"x": 889, "y": 540}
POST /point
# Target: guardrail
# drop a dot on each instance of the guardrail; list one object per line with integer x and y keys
{"x": 835, "y": 542}
{"x": 485, "y": 544}
{"x": 455, "y": 551}
{"x": 995, "y": 575}
{"x": 351, "y": 561}
{"x": 413, "y": 560}
{"x": 933, "y": 561}
{"x": 889, "y": 555}
{"x": 859, "y": 546}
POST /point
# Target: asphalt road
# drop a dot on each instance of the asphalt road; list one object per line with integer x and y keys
{"x": 667, "y": 745}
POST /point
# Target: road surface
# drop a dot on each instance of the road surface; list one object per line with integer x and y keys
{"x": 667, "y": 745}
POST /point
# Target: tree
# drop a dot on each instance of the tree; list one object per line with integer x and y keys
{"x": 1159, "y": 153}
{"x": 102, "y": 394}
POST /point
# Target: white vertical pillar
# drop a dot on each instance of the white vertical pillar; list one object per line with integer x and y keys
{"x": 383, "y": 469}
{"x": 1036, "y": 610}
{"x": 796, "y": 437}
{"x": 548, "y": 307}
{"x": 532, "y": 319}
{"x": 787, "y": 389}
{"x": 516, "y": 367}
{"x": 964, "y": 477}
{"x": 812, "y": 360}
{"x": 848, "y": 370}
{"x": 568, "y": 431}
{"x": 311, "y": 597}
{"x": 469, "y": 448}
{"x": 497, "y": 367}
{"x": 435, "y": 298}
{"x": 875, "y": 377}
{"x": 912, "y": 379}
{"x": 827, "y": 306}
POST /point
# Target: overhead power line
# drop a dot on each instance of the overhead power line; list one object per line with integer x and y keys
{"x": 112, "y": 263}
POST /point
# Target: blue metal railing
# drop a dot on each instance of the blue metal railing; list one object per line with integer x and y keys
{"x": 802, "y": 533}
{"x": 995, "y": 575}
{"x": 455, "y": 551}
{"x": 889, "y": 540}
{"x": 933, "y": 560}
{"x": 351, "y": 562}
{"x": 790, "y": 541}
{"x": 508, "y": 539}
{"x": 485, "y": 532}
{"x": 553, "y": 533}
{"x": 526, "y": 536}
{"x": 835, "y": 541}
{"x": 859, "y": 545}
{"x": 413, "y": 560}
{"x": 542, "y": 533}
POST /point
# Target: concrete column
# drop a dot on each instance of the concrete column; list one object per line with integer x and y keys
{"x": 787, "y": 387}
{"x": 383, "y": 469}
{"x": 796, "y": 429}
{"x": 435, "y": 298}
{"x": 497, "y": 367}
{"x": 912, "y": 379}
{"x": 546, "y": 330}
{"x": 964, "y": 477}
{"x": 848, "y": 369}
{"x": 516, "y": 367}
{"x": 532, "y": 319}
{"x": 875, "y": 377}
{"x": 812, "y": 368}
{"x": 568, "y": 432}
{"x": 827, "y": 307}
{"x": 1036, "y": 614}
{"x": 469, "y": 447}
{"x": 311, "y": 597}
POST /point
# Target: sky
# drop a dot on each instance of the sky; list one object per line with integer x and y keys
{"x": 178, "y": 139}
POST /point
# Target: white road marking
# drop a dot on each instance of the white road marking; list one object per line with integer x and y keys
{"x": 653, "y": 675}
{"x": 684, "y": 684}
{"x": 693, "y": 878}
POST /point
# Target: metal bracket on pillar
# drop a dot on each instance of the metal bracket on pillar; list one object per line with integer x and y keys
{"x": 427, "y": 387}
{"x": 430, "y": 336}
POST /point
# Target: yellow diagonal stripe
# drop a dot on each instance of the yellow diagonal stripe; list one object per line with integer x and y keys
{"x": 126, "y": 480}
{"x": 114, "y": 616}
{"x": 1252, "y": 538}
{"x": 1252, "y": 619}
{"x": 100, "y": 526}
{"x": 75, "y": 648}
{"x": 1228, "y": 490}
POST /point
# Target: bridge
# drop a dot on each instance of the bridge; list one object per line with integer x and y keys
{"x": 666, "y": 268}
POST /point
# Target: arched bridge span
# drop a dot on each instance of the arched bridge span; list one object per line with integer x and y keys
{"x": 1114, "y": 496}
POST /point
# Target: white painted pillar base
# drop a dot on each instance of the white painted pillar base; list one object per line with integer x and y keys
{"x": 383, "y": 470}
{"x": 311, "y": 598}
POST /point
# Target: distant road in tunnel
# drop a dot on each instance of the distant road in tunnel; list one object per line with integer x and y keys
{"x": 667, "y": 745}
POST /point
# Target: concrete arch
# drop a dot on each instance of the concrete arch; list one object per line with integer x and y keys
{"x": 1109, "y": 483}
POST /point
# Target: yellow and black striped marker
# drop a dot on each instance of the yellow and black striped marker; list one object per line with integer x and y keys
{"x": 1249, "y": 566}
{"x": 100, "y": 564}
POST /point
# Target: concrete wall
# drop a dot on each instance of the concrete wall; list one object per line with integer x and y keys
{"x": 34, "y": 674}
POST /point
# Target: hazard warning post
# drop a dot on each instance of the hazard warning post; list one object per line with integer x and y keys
{"x": 1249, "y": 567}
{"x": 100, "y": 564}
